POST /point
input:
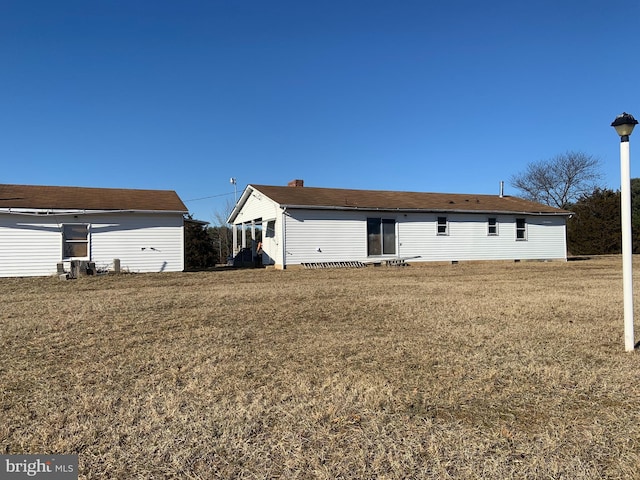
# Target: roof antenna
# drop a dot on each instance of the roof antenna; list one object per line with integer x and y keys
{"x": 233, "y": 181}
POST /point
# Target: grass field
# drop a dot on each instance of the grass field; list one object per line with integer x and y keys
{"x": 492, "y": 371}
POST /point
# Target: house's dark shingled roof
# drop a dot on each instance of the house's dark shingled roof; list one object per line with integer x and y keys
{"x": 83, "y": 198}
{"x": 389, "y": 200}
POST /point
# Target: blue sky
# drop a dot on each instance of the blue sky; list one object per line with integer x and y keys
{"x": 394, "y": 95}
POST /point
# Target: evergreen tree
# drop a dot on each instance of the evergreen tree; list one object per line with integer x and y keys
{"x": 199, "y": 252}
{"x": 595, "y": 225}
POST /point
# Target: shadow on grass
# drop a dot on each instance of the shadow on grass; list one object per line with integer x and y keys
{"x": 222, "y": 268}
{"x": 577, "y": 259}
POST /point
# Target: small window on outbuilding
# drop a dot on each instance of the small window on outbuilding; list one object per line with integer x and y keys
{"x": 75, "y": 241}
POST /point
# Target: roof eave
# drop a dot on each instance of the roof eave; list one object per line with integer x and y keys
{"x": 423, "y": 210}
{"x": 64, "y": 212}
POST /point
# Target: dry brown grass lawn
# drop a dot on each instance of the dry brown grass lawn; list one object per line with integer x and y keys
{"x": 488, "y": 371}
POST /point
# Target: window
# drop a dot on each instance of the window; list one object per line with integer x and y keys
{"x": 381, "y": 236}
{"x": 521, "y": 229}
{"x": 493, "y": 226}
{"x": 75, "y": 240}
{"x": 442, "y": 226}
{"x": 271, "y": 229}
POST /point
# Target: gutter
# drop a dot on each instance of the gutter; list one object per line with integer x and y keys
{"x": 433, "y": 210}
{"x": 284, "y": 237}
{"x": 51, "y": 212}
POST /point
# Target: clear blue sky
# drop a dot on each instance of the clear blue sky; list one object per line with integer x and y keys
{"x": 397, "y": 95}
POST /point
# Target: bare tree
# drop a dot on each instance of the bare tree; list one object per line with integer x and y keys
{"x": 560, "y": 181}
{"x": 222, "y": 233}
{"x": 221, "y": 215}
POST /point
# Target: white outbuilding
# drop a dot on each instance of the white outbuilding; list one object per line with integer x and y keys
{"x": 306, "y": 226}
{"x": 43, "y": 228}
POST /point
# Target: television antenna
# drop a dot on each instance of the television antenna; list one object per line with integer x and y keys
{"x": 234, "y": 182}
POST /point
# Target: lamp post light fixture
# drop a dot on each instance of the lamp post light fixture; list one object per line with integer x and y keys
{"x": 624, "y": 124}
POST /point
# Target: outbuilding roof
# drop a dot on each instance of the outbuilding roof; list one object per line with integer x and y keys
{"x": 337, "y": 198}
{"x": 85, "y": 198}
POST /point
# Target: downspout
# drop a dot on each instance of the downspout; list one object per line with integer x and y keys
{"x": 284, "y": 238}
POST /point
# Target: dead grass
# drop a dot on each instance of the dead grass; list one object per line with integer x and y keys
{"x": 488, "y": 371}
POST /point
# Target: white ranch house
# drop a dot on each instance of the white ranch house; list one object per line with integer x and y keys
{"x": 43, "y": 226}
{"x": 297, "y": 225}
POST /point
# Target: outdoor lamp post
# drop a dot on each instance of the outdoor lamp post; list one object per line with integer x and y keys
{"x": 624, "y": 124}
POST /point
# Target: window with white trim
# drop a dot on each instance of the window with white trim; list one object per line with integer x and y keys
{"x": 443, "y": 226}
{"x": 75, "y": 241}
{"x": 492, "y": 226}
{"x": 521, "y": 229}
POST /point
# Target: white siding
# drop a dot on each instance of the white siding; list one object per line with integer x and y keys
{"x": 257, "y": 206}
{"x": 325, "y": 236}
{"x": 29, "y": 246}
{"x": 332, "y": 235}
{"x": 468, "y": 238}
{"x": 143, "y": 243}
{"x": 32, "y": 245}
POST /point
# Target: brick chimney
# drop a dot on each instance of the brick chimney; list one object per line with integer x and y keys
{"x": 296, "y": 183}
